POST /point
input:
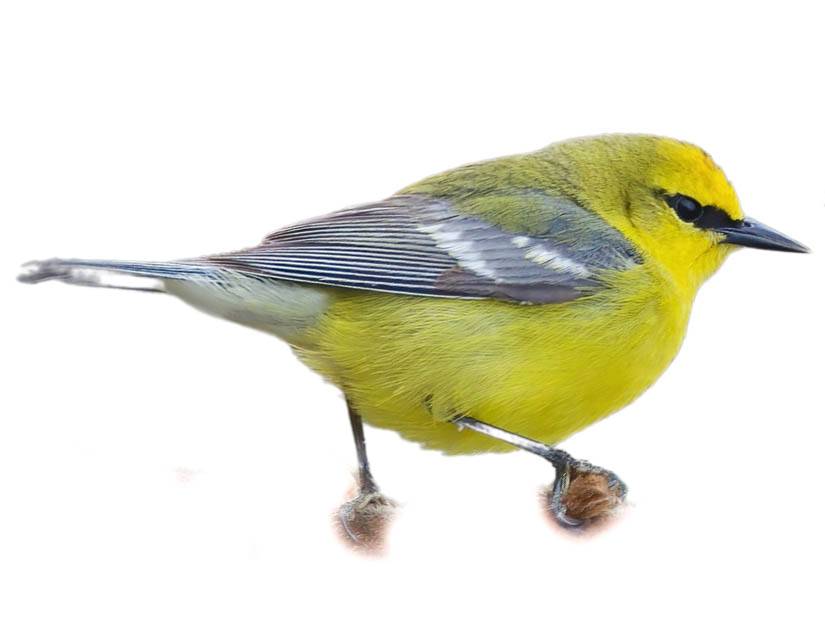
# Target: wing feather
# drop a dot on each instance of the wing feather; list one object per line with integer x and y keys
{"x": 421, "y": 245}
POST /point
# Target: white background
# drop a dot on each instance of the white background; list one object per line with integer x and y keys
{"x": 155, "y": 462}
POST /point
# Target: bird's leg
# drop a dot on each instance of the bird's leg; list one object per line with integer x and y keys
{"x": 364, "y": 519}
{"x": 581, "y": 492}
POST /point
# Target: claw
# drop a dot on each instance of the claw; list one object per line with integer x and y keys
{"x": 583, "y": 494}
{"x": 363, "y": 521}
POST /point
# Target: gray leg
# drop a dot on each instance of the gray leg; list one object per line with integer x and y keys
{"x": 366, "y": 483}
{"x": 581, "y": 491}
{"x": 364, "y": 519}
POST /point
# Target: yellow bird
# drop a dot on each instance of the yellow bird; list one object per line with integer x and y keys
{"x": 504, "y": 304}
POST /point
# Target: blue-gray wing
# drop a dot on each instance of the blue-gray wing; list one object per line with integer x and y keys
{"x": 420, "y": 245}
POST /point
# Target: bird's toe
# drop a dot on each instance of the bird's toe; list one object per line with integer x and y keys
{"x": 590, "y": 495}
{"x": 364, "y": 520}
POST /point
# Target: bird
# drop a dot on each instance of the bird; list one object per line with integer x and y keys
{"x": 505, "y": 304}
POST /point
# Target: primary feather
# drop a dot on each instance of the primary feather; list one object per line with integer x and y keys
{"x": 415, "y": 244}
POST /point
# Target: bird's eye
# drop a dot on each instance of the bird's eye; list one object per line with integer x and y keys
{"x": 686, "y": 208}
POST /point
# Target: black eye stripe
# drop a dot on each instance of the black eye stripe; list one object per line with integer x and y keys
{"x": 702, "y": 216}
{"x": 714, "y": 217}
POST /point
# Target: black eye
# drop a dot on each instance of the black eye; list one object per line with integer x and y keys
{"x": 686, "y": 208}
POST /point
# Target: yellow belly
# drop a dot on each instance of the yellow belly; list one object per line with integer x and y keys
{"x": 544, "y": 371}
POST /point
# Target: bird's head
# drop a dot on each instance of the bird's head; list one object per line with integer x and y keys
{"x": 669, "y": 198}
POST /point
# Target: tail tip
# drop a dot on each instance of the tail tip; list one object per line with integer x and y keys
{"x": 36, "y": 271}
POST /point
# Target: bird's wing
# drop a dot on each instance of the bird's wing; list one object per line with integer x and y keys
{"x": 426, "y": 246}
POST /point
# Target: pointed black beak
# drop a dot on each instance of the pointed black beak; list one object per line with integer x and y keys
{"x": 751, "y": 233}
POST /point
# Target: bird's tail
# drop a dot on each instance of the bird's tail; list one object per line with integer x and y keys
{"x": 147, "y": 276}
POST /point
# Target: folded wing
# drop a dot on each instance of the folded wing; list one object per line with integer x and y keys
{"x": 419, "y": 245}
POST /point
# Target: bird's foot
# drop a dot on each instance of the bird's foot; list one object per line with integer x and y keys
{"x": 583, "y": 494}
{"x": 363, "y": 521}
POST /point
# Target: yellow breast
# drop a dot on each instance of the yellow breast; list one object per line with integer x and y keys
{"x": 543, "y": 371}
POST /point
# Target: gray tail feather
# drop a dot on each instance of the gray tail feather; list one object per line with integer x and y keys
{"x": 94, "y": 273}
